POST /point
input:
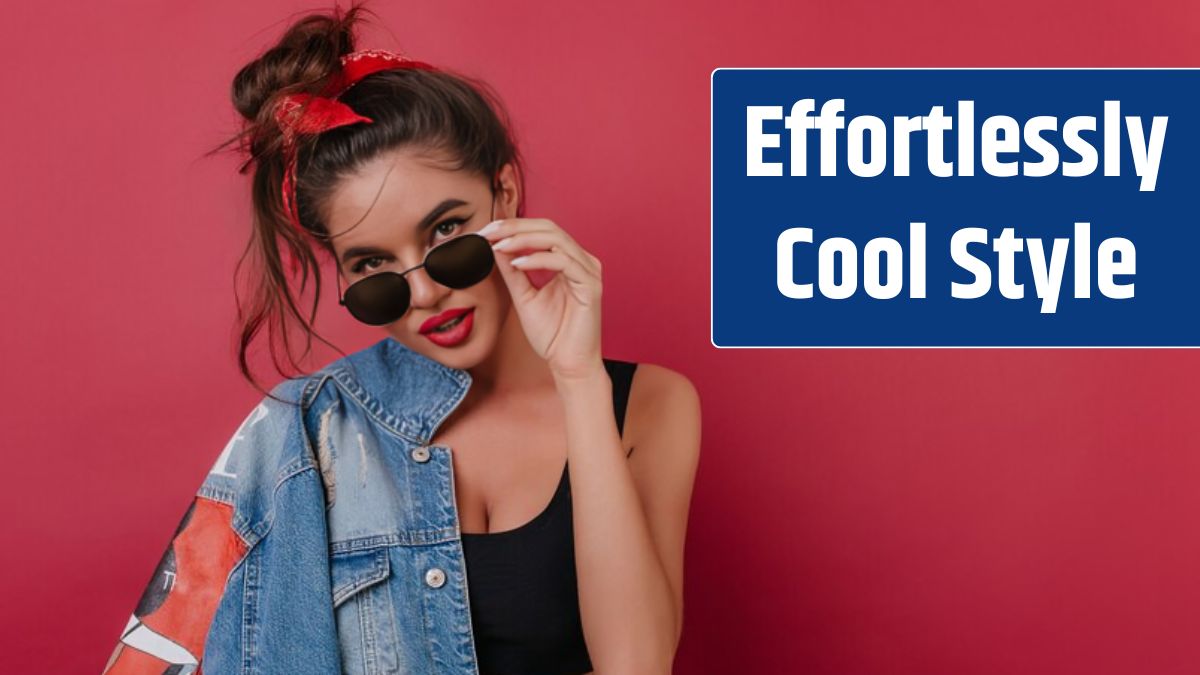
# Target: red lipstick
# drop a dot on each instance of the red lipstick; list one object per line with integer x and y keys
{"x": 454, "y": 335}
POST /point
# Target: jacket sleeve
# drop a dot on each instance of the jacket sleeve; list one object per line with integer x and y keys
{"x": 172, "y": 620}
{"x": 167, "y": 630}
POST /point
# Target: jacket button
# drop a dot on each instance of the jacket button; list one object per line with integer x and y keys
{"x": 420, "y": 453}
{"x": 435, "y": 577}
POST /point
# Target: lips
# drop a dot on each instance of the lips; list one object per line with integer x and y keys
{"x": 435, "y": 321}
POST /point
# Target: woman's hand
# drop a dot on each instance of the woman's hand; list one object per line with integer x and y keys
{"x": 562, "y": 318}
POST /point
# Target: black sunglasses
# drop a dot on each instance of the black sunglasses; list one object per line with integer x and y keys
{"x": 383, "y": 297}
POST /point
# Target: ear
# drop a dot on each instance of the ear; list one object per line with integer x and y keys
{"x": 508, "y": 192}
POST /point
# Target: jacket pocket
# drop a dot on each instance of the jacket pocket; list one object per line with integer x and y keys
{"x": 366, "y": 621}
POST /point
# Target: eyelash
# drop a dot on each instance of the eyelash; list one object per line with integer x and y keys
{"x": 357, "y": 268}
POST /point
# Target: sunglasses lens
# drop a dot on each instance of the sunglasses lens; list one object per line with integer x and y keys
{"x": 384, "y": 297}
{"x": 461, "y": 262}
{"x": 378, "y": 299}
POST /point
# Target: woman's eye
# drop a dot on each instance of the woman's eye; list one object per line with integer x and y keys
{"x": 446, "y": 228}
{"x": 451, "y": 225}
{"x": 362, "y": 264}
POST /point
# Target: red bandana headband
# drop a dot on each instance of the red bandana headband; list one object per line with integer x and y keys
{"x": 310, "y": 115}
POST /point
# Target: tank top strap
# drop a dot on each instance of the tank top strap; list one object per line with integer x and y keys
{"x": 621, "y": 373}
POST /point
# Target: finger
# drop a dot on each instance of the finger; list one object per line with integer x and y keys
{"x": 519, "y": 285}
{"x": 554, "y": 240}
{"x": 560, "y": 262}
{"x": 573, "y": 247}
{"x": 504, "y": 227}
{"x": 499, "y": 229}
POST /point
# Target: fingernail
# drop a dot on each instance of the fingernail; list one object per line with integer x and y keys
{"x": 502, "y": 244}
{"x": 490, "y": 228}
{"x": 519, "y": 261}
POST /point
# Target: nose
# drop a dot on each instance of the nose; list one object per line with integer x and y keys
{"x": 425, "y": 291}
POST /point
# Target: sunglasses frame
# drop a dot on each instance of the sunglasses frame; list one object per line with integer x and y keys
{"x": 402, "y": 275}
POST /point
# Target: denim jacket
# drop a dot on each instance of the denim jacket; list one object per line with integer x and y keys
{"x": 324, "y": 539}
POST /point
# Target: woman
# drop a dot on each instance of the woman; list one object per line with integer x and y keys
{"x": 464, "y": 496}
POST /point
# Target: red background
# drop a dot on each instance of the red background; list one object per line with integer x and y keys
{"x": 857, "y": 511}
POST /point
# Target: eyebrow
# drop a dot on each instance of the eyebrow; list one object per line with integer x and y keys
{"x": 425, "y": 223}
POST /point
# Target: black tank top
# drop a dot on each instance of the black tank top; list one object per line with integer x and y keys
{"x": 521, "y": 582}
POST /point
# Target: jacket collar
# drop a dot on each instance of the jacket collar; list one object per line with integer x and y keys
{"x": 403, "y": 389}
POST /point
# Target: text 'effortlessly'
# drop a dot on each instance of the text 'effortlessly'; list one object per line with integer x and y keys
{"x": 1001, "y": 146}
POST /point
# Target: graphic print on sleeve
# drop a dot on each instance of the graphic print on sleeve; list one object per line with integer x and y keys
{"x": 168, "y": 628}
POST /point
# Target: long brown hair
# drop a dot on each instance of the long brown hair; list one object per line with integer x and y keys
{"x": 459, "y": 116}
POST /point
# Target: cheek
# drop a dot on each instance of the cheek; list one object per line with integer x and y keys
{"x": 492, "y": 294}
{"x": 494, "y": 284}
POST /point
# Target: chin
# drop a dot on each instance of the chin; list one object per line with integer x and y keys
{"x": 464, "y": 357}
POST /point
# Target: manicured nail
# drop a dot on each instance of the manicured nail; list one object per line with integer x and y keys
{"x": 490, "y": 228}
{"x": 520, "y": 261}
{"x": 503, "y": 244}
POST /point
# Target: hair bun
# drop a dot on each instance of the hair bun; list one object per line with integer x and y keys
{"x": 307, "y": 55}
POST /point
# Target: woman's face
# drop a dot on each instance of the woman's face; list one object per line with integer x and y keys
{"x": 387, "y": 216}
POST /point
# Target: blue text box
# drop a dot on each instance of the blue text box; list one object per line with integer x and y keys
{"x": 750, "y": 212}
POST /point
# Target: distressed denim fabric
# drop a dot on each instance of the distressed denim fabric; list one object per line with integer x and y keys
{"x": 325, "y": 538}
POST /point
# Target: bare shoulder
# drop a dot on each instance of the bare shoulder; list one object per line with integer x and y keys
{"x": 664, "y": 406}
{"x": 657, "y": 386}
